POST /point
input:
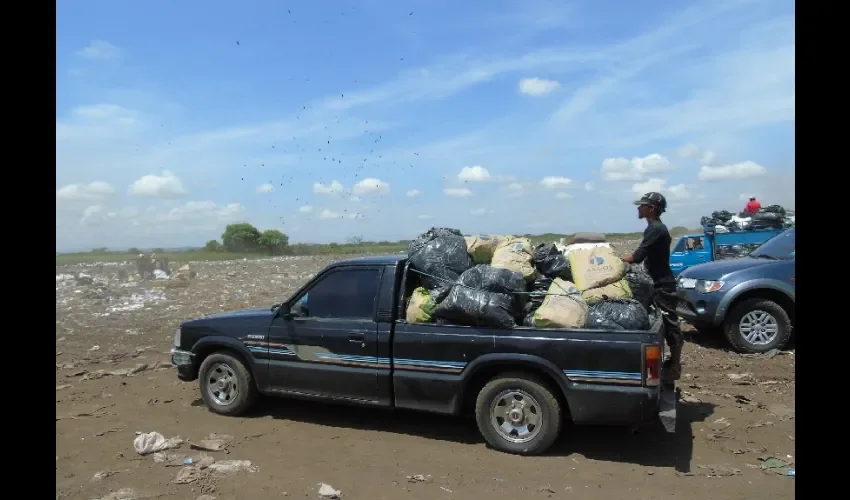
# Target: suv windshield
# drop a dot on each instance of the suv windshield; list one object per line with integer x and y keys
{"x": 780, "y": 247}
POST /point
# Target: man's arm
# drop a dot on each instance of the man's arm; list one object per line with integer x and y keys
{"x": 650, "y": 236}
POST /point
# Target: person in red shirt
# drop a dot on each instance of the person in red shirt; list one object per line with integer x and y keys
{"x": 752, "y": 206}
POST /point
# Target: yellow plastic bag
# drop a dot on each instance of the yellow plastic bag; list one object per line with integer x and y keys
{"x": 420, "y": 307}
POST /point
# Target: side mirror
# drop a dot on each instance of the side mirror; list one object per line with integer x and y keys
{"x": 283, "y": 311}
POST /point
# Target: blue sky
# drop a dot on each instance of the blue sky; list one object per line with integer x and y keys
{"x": 380, "y": 119}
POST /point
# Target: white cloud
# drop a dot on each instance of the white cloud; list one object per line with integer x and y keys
{"x": 332, "y": 189}
{"x": 265, "y": 188}
{"x": 562, "y": 195}
{"x": 537, "y": 87}
{"x": 354, "y": 215}
{"x": 413, "y": 193}
{"x": 371, "y": 187}
{"x": 99, "y": 49}
{"x": 474, "y": 174}
{"x": 93, "y": 216}
{"x": 305, "y": 209}
{"x": 205, "y": 210}
{"x": 93, "y": 191}
{"x": 424, "y": 217}
{"x": 480, "y": 211}
{"x": 555, "y": 182}
{"x": 355, "y": 199}
{"x": 689, "y": 151}
{"x": 163, "y": 186}
{"x": 329, "y": 214}
{"x": 588, "y": 186}
{"x": 623, "y": 169}
{"x": 705, "y": 156}
{"x": 514, "y": 190}
{"x": 743, "y": 170}
{"x": 457, "y": 192}
{"x": 655, "y": 184}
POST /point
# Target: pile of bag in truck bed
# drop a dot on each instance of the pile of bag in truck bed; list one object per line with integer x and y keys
{"x": 770, "y": 217}
{"x": 505, "y": 281}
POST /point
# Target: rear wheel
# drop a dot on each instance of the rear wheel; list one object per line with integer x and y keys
{"x": 756, "y": 326}
{"x": 227, "y": 386}
{"x": 517, "y": 413}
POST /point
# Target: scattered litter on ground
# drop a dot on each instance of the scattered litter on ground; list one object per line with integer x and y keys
{"x": 152, "y": 442}
{"x": 327, "y": 491}
{"x": 213, "y": 442}
{"x": 418, "y": 478}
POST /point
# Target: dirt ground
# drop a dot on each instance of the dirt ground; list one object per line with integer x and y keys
{"x": 113, "y": 380}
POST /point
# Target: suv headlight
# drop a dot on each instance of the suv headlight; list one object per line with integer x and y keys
{"x": 708, "y": 286}
{"x": 177, "y": 338}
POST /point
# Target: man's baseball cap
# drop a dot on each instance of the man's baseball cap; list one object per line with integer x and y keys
{"x": 653, "y": 198}
{"x": 752, "y": 198}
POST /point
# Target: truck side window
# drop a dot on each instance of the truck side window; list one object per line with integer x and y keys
{"x": 680, "y": 246}
{"x": 345, "y": 294}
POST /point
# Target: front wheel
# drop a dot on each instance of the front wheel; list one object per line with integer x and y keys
{"x": 227, "y": 386}
{"x": 757, "y": 326}
{"x": 518, "y": 413}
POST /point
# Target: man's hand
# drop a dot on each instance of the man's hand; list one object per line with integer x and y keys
{"x": 627, "y": 259}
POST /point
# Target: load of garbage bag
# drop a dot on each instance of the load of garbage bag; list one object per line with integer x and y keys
{"x": 769, "y": 217}
{"x": 505, "y": 281}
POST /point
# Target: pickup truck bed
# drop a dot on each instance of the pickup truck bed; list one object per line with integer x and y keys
{"x": 521, "y": 383}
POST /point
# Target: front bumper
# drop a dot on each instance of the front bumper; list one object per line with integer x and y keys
{"x": 697, "y": 307}
{"x": 184, "y": 361}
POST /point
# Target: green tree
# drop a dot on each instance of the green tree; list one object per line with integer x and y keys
{"x": 134, "y": 250}
{"x": 213, "y": 246}
{"x": 273, "y": 242}
{"x": 241, "y": 237}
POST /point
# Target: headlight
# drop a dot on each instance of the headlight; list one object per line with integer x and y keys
{"x": 708, "y": 286}
{"x": 177, "y": 338}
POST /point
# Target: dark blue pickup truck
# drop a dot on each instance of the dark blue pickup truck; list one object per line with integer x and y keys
{"x": 343, "y": 337}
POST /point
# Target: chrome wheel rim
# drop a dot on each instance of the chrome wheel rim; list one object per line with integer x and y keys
{"x": 221, "y": 384}
{"x": 758, "y": 327}
{"x": 516, "y": 416}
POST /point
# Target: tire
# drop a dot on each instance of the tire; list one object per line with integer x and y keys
{"x": 740, "y": 316}
{"x": 232, "y": 373}
{"x": 539, "y": 400}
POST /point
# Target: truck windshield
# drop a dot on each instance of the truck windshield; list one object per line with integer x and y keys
{"x": 780, "y": 247}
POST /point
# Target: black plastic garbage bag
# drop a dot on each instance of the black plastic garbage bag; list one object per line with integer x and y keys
{"x": 618, "y": 314}
{"x": 440, "y": 253}
{"x": 551, "y": 263}
{"x": 722, "y": 215}
{"x": 469, "y": 307}
{"x": 640, "y": 283}
{"x": 498, "y": 280}
{"x": 775, "y": 209}
{"x": 539, "y": 289}
{"x": 768, "y": 216}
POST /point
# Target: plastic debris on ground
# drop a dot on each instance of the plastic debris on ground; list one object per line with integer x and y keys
{"x": 640, "y": 284}
{"x": 442, "y": 254}
{"x": 618, "y": 290}
{"x": 421, "y": 306}
{"x": 484, "y": 296}
{"x": 515, "y": 254}
{"x": 152, "y": 442}
{"x": 595, "y": 267}
{"x": 563, "y": 307}
{"x": 618, "y": 314}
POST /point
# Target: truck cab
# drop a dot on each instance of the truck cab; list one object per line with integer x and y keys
{"x": 710, "y": 245}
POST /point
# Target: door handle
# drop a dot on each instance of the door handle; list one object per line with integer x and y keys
{"x": 356, "y": 337}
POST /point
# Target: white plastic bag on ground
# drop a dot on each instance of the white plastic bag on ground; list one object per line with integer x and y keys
{"x": 152, "y": 442}
{"x": 517, "y": 255}
{"x": 595, "y": 267}
{"x": 563, "y": 308}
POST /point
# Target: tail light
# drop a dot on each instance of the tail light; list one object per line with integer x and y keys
{"x": 652, "y": 365}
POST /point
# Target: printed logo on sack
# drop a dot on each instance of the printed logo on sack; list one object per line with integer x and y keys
{"x": 517, "y": 247}
{"x": 598, "y": 265}
{"x": 596, "y": 260}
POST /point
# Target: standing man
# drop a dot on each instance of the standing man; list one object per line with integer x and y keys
{"x": 654, "y": 249}
{"x": 752, "y": 206}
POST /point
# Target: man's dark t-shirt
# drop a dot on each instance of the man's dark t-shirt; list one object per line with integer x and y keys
{"x": 655, "y": 250}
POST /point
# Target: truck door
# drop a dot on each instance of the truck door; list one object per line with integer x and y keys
{"x": 689, "y": 251}
{"x": 328, "y": 346}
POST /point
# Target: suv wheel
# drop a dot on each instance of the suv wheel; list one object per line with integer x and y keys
{"x": 227, "y": 386}
{"x": 517, "y": 413}
{"x": 757, "y": 326}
